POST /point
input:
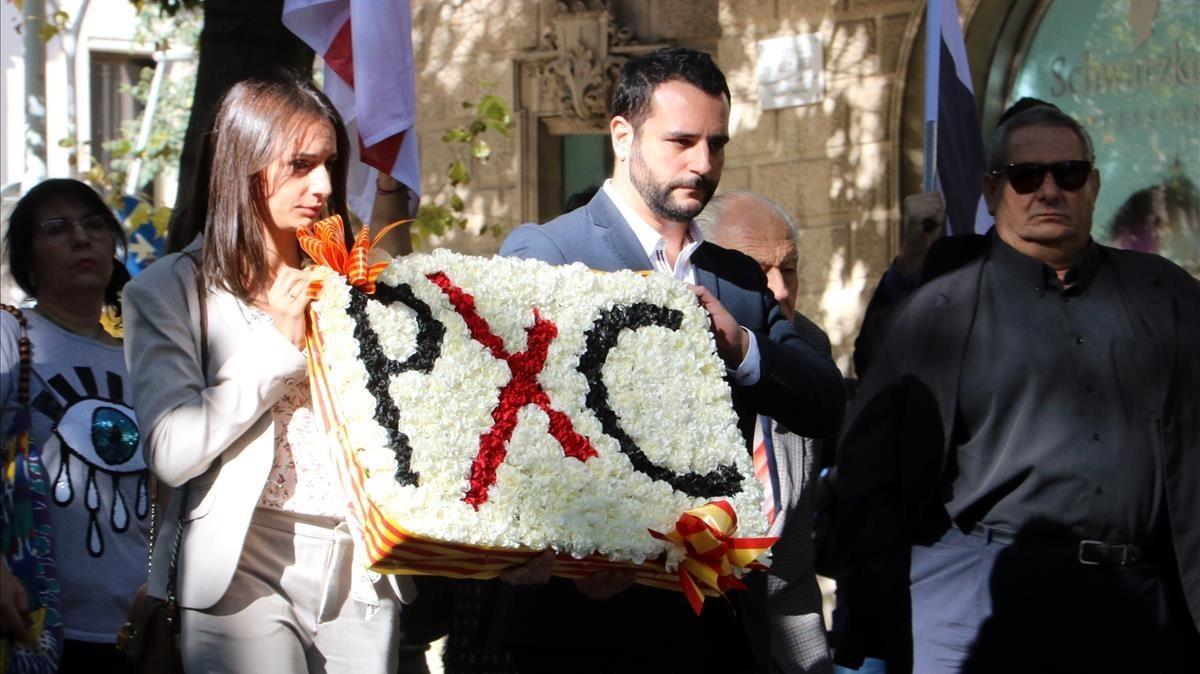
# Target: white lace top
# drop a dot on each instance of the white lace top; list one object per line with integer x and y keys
{"x": 303, "y": 478}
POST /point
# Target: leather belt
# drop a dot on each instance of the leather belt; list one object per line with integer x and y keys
{"x": 1087, "y": 552}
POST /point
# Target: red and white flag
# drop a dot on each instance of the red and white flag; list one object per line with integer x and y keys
{"x": 367, "y": 48}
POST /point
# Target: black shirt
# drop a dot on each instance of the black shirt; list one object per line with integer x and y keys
{"x": 1044, "y": 434}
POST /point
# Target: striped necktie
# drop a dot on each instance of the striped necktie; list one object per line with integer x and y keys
{"x": 765, "y": 470}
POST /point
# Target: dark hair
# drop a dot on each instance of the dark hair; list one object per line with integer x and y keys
{"x": 1036, "y": 115}
{"x": 254, "y": 123}
{"x": 642, "y": 75}
{"x": 1023, "y": 104}
{"x": 22, "y": 226}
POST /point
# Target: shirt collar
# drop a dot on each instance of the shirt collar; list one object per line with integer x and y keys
{"x": 1040, "y": 276}
{"x": 653, "y": 242}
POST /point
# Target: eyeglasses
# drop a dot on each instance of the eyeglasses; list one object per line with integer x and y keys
{"x": 95, "y": 226}
{"x": 1027, "y": 178}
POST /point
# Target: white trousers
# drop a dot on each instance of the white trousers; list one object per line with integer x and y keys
{"x": 289, "y": 609}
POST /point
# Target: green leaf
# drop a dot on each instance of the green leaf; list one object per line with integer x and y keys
{"x": 491, "y": 114}
{"x": 437, "y": 225}
{"x": 501, "y": 127}
{"x": 121, "y": 146}
{"x": 431, "y": 219}
{"x": 458, "y": 173}
{"x": 66, "y": 142}
{"x": 459, "y": 135}
{"x": 494, "y": 107}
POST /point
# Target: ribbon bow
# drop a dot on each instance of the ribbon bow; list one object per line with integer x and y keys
{"x": 706, "y": 533}
{"x": 325, "y": 242}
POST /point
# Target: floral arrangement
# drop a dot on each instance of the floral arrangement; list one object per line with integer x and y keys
{"x": 504, "y": 404}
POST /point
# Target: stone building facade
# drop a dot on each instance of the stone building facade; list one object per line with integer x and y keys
{"x": 840, "y": 165}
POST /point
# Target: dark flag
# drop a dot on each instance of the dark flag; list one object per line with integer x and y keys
{"x": 954, "y": 158}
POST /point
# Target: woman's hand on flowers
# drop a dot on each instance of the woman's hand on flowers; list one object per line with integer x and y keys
{"x": 604, "y": 584}
{"x": 286, "y": 301}
{"x": 14, "y": 606}
{"x": 534, "y": 572}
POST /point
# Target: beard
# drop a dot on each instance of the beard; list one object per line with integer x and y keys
{"x": 658, "y": 195}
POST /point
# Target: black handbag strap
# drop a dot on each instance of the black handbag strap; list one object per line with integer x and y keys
{"x": 173, "y": 571}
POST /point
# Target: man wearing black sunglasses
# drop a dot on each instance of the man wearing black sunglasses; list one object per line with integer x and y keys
{"x": 1020, "y": 472}
{"x": 1049, "y": 220}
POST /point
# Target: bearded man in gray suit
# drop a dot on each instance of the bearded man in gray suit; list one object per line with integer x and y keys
{"x": 669, "y": 129}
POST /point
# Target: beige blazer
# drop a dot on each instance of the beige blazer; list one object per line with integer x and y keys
{"x": 213, "y": 429}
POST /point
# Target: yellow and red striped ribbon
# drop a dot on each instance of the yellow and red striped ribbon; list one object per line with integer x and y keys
{"x": 712, "y": 551}
{"x": 325, "y": 242}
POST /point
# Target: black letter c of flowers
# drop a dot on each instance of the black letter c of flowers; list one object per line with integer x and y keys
{"x": 601, "y": 337}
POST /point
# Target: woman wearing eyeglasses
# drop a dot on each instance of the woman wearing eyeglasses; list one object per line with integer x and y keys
{"x": 265, "y": 575}
{"x": 63, "y": 246}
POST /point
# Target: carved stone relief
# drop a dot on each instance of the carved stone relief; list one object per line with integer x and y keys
{"x": 577, "y": 61}
{"x": 562, "y": 88}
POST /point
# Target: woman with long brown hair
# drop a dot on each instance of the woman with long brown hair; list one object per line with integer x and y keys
{"x": 265, "y": 571}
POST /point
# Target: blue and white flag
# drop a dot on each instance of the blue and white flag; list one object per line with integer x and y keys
{"x": 954, "y": 157}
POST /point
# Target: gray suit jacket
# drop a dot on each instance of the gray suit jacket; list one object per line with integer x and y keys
{"x": 798, "y": 386}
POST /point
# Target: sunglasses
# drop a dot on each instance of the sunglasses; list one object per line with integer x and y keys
{"x": 95, "y": 226}
{"x": 1027, "y": 178}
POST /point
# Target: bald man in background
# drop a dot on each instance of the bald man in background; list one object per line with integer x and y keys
{"x": 753, "y": 224}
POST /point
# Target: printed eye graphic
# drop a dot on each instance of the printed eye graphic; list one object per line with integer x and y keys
{"x": 101, "y": 433}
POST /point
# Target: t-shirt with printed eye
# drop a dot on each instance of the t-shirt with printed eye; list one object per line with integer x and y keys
{"x": 83, "y": 424}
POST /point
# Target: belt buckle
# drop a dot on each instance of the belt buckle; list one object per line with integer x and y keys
{"x": 1085, "y": 545}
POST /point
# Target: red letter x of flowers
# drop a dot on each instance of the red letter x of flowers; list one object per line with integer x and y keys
{"x": 521, "y": 390}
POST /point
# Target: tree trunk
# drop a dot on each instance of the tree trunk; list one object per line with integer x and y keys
{"x": 240, "y": 39}
{"x": 70, "y": 42}
{"x": 35, "y": 94}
